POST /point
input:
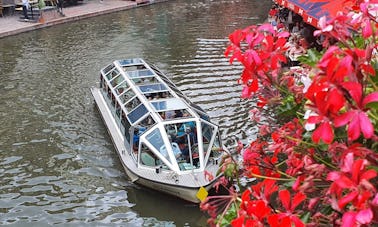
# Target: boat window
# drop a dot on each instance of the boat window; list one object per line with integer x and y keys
{"x": 121, "y": 87}
{"x": 139, "y": 73}
{"x": 118, "y": 110}
{"x": 147, "y": 157}
{"x": 152, "y": 88}
{"x": 116, "y": 80}
{"x": 105, "y": 87}
{"x": 202, "y": 115}
{"x": 112, "y": 74}
{"x": 168, "y": 104}
{"x": 126, "y": 96}
{"x": 113, "y": 99}
{"x": 186, "y": 150}
{"x": 156, "y": 140}
{"x": 108, "y": 91}
{"x": 174, "y": 114}
{"x": 207, "y": 135}
{"x": 136, "y": 136}
{"x": 102, "y": 81}
{"x": 130, "y": 61}
{"x": 130, "y": 105}
{"x": 146, "y": 123}
{"x": 131, "y": 68}
{"x": 208, "y": 132}
{"x": 126, "y": 124}
{"x": 216, "y": 149}
{"x": 107, "y": 69}
{"x": 158, "y": 95}
{"x": 145, "y": 80}
{"x": 177, "y": 152}
{"x": 137, "y": 113}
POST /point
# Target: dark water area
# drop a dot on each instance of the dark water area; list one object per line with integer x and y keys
{"x": 58, "y": 165}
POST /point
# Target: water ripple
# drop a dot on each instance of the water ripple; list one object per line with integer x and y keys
{"x": 58, "y": 166}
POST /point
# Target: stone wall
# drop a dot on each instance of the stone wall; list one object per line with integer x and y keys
{"x": 48, "y": 13}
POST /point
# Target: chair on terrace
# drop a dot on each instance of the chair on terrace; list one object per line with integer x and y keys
{"x": 1, "y": 8}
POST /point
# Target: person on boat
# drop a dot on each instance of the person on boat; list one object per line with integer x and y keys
{"x": 170, "y": 114}
{"x": 136, "y": 139}
{"x": 178, "y": 113}
{"x": 182, "y": 136}
{"x": 175, "y": 147}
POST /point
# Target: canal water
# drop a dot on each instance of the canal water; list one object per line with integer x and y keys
{"x": 57, "y": 163}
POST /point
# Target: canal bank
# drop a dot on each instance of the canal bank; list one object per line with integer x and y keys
{"x": 12, "y": 24}
{"x": 58, "y": 166}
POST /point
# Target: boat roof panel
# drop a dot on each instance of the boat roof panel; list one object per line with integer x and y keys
{"x": 131, "y": 78}
{"x": 133, "y": 61}
{"x": 152, "y": 88}
{"x": 140, "y": 73}
{"x": 137, "y": 113}
{"x": 169, "y": 104}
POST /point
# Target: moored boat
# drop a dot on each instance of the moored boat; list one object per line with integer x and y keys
{"x": 164, "y": 141}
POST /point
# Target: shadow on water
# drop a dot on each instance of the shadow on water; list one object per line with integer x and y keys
{"x": 58, "y": 165}
{"x": 154, "y": 205}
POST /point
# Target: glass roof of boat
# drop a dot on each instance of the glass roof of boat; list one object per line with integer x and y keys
{"x": 141, "y": 89}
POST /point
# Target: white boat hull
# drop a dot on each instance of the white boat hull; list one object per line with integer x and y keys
{"x": 182, "y": 186}
{"x": 188, "y": 194}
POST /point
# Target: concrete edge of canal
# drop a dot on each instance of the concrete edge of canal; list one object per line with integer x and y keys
{"x": 9, "y": 26}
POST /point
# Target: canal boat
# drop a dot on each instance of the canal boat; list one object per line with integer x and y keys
{"x": 164, "y": 141}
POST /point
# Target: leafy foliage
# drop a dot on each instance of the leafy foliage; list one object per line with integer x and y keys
{"x": 316, "y": 160}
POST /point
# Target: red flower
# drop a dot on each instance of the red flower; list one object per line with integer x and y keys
{"x": 287, "y": 218}
{"x": 351, "y": 184}
{"x": 351, "y": 218}
{"x": 263, "y": 190}
{"x": 356, "y": 118}
{"x": 324, "y": 132}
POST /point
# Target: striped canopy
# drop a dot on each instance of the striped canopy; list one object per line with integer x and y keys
{"x": 313, "y": 10}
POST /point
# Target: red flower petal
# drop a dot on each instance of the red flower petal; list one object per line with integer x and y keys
{"x": 333, "y": 176}
{"x": 343, "y": 119}
{"x": 298, "y": 198}
{"x": 355, "y": 90}
{"x": 267, "y": 27}
{"x": 297, "y": 222}
{"x": 236, "y": 37}
{"x": 261, "y": 210}
{"x": 366, "y": 126}
{"x": 354, "y": 128}
{"x": 335, "y": 100}
{"x": 367, "y": 31}
{"x": 364, "y": 216}
{"x": 246, "y": 195}
{"x": 324, "y": 132}
{"x": 369, "y": 174}
{"x": 238, "y": 222}
{"x": 344, "y": 182}
{"x": 372, "y": 97}
{"x": 348, "y": 163}
{"x": 285, "y": 198}
{"x": 346, "y": 199}
{"x": 349, "y": 219}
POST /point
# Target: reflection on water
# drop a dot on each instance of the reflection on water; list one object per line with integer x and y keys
{"x": 57, "y": 163}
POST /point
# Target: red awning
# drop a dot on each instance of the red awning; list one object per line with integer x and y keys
{"x": 312, "y": 10}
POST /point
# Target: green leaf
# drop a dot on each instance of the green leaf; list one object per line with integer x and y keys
{"x": 230, "y": 215}
{"x": 372, "y": 105}
{"x": 311, "y": 58}
{"x": 306, "y": 217}
{"x": 359, "y": 41}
